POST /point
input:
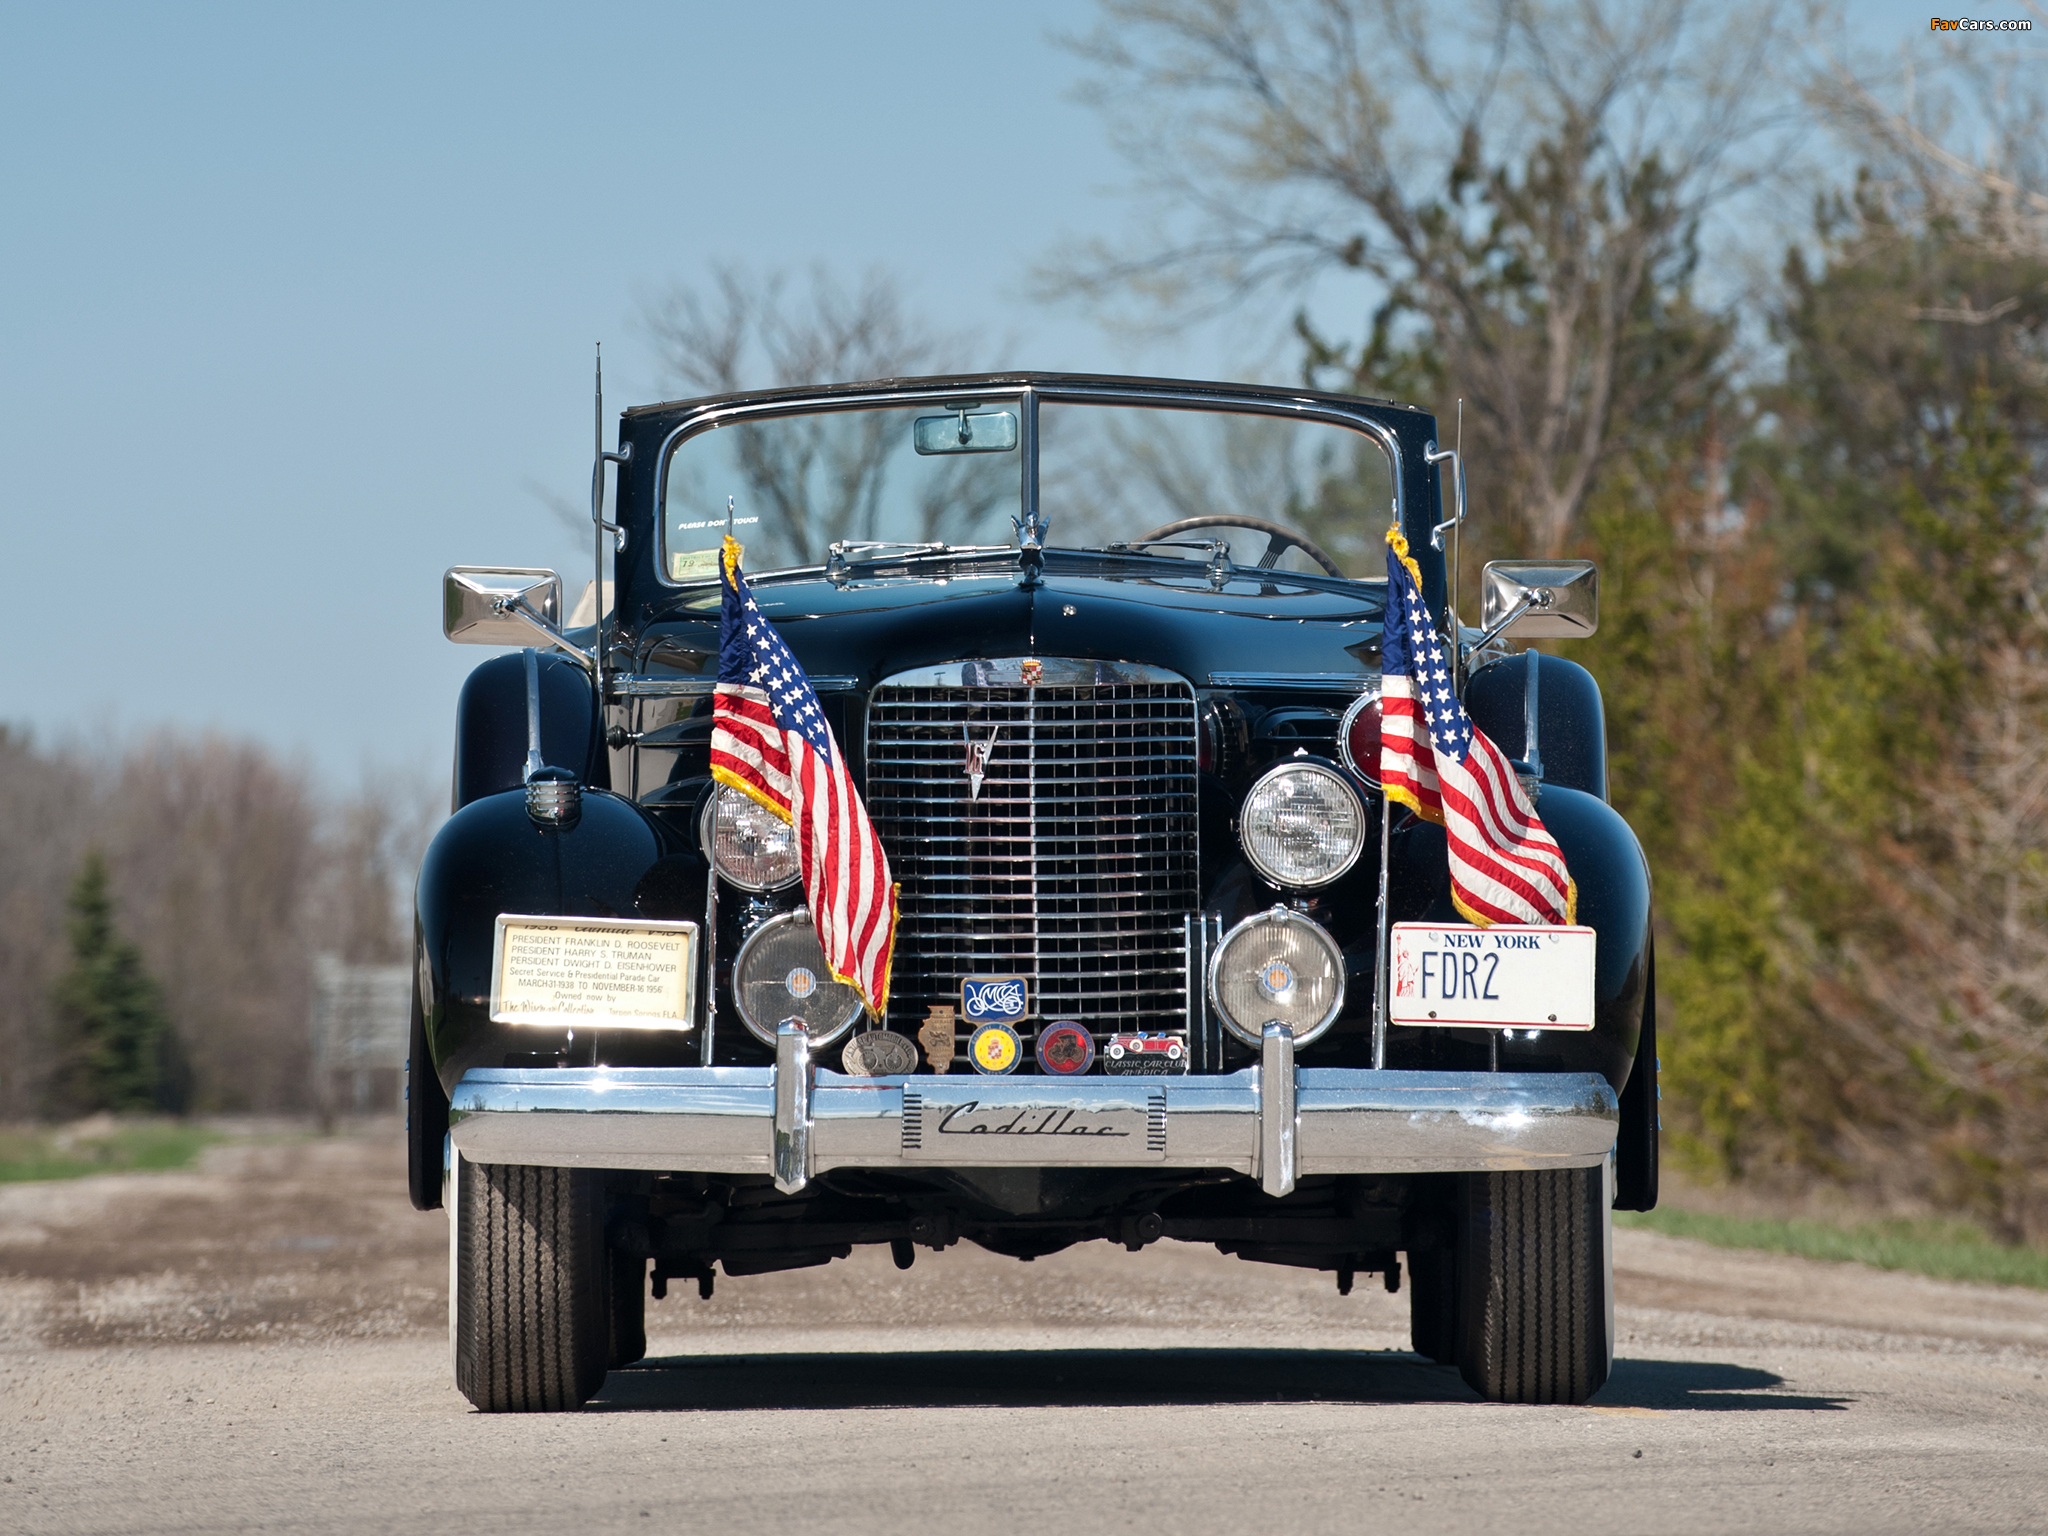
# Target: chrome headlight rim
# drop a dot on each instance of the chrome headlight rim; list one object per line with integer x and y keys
{"x": 1253, "y": 1033}
{"x": 707, "y": 842}
{"x": 764, "y": 1030}
{"x": 1300, "y": 765}
{"x": 1366, "y": 773}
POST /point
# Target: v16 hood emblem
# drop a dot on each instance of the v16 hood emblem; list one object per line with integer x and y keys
{"x": 977, "y": 760}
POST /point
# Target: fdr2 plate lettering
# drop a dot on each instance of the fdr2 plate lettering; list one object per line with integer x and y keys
{"x": 1446, "y": 974}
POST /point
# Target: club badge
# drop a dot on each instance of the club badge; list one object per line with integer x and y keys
{"x": 936, "y": 1036}
{"x": 878, "y": 1053}
{"x": 1065, "y": 1049}
{"x": 994, "y": 999}
{"x": 1144, "y": 1055}
{"x": 995, "y": 1049}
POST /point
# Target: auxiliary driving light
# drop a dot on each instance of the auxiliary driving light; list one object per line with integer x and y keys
{"x": 780, "y": 973}
{"x": 1302, "y": 825}
{"x": 748, "y": 844}
{"x": 1277, "y": 967}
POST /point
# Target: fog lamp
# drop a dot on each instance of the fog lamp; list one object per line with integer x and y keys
{"x": 1277, "y": 967}
{"x": 780, "y": 973}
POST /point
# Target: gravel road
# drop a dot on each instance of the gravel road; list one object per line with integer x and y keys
{"x": 258, "y": 1345}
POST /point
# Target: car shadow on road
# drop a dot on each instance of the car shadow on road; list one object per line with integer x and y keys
{"x": 1027, "y": 1378}
{"x": 1033, "y": 1378}
{"x": 1683, "y": 1385}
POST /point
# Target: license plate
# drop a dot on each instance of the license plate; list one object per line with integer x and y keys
{"x": 602, "y": 972}
{"x": 1501, "y": 977}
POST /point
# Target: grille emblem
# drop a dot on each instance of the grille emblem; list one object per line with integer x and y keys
{"x": 977, "y": 759}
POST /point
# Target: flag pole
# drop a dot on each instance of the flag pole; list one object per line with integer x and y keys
{"x": 1379, "y": 964}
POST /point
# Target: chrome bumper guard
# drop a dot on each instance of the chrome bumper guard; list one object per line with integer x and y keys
{"x": 1274, "y": 1122}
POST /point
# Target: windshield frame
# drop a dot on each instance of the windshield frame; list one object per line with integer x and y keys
{"x": 1027, "y": 395}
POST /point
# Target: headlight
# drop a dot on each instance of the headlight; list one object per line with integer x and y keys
{"x": 1277, "y": 967}
{"x": 1302, "y": 825}
{"x": 747, "y": 843}
{"x": 780, "y": 973}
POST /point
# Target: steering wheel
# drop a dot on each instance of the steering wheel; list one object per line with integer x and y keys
{"x": 1278, "y": 540}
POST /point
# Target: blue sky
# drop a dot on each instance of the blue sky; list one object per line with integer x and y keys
{"x": 296, "y": 305}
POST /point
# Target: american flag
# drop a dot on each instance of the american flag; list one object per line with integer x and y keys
{"x": 1505, "y": 866}
{"x": 769, "y": 740}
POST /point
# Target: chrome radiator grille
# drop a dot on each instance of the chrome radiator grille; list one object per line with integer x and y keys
{"x": 1074, "y": 865}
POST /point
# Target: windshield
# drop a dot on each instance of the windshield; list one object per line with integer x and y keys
{"x": 954, "y": 474}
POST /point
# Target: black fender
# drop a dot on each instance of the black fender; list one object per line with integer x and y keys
{"x": 1613, "y": 879}
{"x": 491, "y": 725}
{"x": 491, "y": 858}
{"x": 1636, "y": 1152}
{"x": 1571, "y": 718}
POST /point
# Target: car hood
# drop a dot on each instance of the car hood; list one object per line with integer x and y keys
{"x": 1255, "y": 623}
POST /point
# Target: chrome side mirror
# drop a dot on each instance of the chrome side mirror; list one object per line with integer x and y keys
{"x": 1539, "y": 599}
{"x": 496, "y": 605}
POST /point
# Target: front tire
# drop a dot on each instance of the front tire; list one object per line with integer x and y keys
{"x": 1533, "y": 1276}
{"x": 532, "y": 1289}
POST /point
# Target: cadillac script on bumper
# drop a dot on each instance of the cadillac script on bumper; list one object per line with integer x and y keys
{"x": 978, "y": 1123}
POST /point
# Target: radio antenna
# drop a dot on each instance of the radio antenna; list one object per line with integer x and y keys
{"x": 598, "y": 530}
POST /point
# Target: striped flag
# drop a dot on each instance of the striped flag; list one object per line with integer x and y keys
{"x": 769, "y": 741}
{"x": 1505, "y": 867}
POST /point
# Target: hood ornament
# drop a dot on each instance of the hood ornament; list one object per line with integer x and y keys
{"x": 977, "y": 759}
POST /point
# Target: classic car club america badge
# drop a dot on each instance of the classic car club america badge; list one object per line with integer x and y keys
{"x": 1065, "y": 1049}
{"x": 995, "y": 1049}
{"x": 1144, "y": 1055}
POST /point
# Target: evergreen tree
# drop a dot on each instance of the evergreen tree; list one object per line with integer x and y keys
{"x": 116, "y": 1040}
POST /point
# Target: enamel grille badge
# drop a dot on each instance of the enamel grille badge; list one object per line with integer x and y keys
{"x": 995, "y": 1049}
{"x": 1065, "y": 1049}
{"x": 994, "y": 999}
{"x": 1145, "y": 1056}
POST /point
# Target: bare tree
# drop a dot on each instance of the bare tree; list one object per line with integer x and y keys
{"x": 735, "y": 332}
{"x": 1961, "y": 142}
{"x": 1520, "y": 188}
{"x": 822, "y": 479}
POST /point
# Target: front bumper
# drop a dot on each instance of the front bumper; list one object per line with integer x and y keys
{"x": 1274, "y": 1122}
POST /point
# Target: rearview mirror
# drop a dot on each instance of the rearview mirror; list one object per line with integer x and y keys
{"x": 490, "y": 605}
{"x": 1540, "y": 599}
{"x": 988, "y": 432}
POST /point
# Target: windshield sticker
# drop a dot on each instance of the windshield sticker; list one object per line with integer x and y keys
{"x": 693, "y": 565}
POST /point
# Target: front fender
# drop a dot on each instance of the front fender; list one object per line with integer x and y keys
{"x": 490, "y": 858}
{"x": 1613, "y": 879}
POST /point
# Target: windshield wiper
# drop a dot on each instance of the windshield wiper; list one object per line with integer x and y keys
{"x": 845, "y": 552}
{"x": 1218, "y": 551}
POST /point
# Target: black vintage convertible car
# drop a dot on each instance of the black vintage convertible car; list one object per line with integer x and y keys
{"x": 1103, "y": 656}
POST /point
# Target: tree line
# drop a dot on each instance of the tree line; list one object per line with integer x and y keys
{"x": 1816, "y": 489}
{"x": 160, "y": 905}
